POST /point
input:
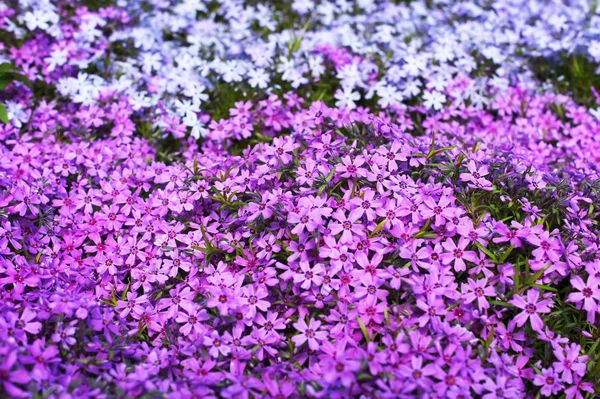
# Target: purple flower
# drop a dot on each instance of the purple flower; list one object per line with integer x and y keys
{"x": 588, "y": 292}
{"x": 456, "y": 254}
{"x": 569, "y": 363}
{"x": 478, "y": 290}
{"x": 434, "y": 308}
{"x": 216, "y": 344}
{"x": 309, "y": 332}
{"x": 439, "y": 211}
{"x": 549, "y": 382}
{"x": 531, "y": 307}
{"x": 10, "y": 377}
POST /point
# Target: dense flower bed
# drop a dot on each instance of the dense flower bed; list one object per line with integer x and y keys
{"x": 298, "y": 199}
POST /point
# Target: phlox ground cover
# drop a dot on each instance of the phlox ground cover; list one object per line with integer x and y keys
{"x": 305, "y": 199}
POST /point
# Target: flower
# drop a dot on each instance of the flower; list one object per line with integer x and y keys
{"x": 588, "y": 292}
{"x": 549, "y": 381}
{"x": 478, "y": 290}
{"x": 456, "y": 254}
{"x": 309, "y": 333}
{"x": 531, "y": 307}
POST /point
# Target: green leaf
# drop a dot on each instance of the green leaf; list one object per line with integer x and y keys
{"x": 197, "y": 248}
{"x": 593, "y": 348}
{"x": 330, "y": 175}
{"x": 4, "y": 81}
{"x": 124, "y": 294}
{"x": 501, "y": 303}
{"x": 516, "y": 279}
{"x": 363, "y": 329}
{"x": 378, "y": 228}
{"x": 423, "y": 233}
{"x": 544, "y": 287}
{"x": 487, "y": 252}
{"x": 490, "y": 338}
{"x": 534, "y": 277}
{"x": 20, "y": 78}
{"x": 505, "y": 254}
{"x": 3, "y": 114}
{"x": 5, "y": 67}
{"x": 321, "y": 189}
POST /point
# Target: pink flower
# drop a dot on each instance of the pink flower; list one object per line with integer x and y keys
{"x": 191, "y": 319}
{"x": 216, "y": 344}
{"x": 433, "y": 308}
{"x": 308, "y": 276}
{"x": 351, "y": 168}
{"x": 456, "y": 254}
{"x": 347, "y": 225}
{"x": 309, "y": 333}
{"x": 531, "y": 307}
{"x": 588, "y": 292}
{"x": 478, "y": 290}
{"x": 440, "y": 211}
{"x": 547, "y": 246}
{"x": 569, "y": 362}
{"x": 549, "y": 381}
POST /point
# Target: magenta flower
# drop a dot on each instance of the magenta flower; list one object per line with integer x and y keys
{"x": 440, "y": 211}
{"x": 478, "y": 290}
{"x": 309, "y": 275}
{"x": 224, "y": 299}
{"x": 547, "y": 246}
{"x": 349, "y": 226}
{"x": 549, "y": 382}
{"x": 133, "y": 305}
{"x": 27, "y": 200}
{"x": 433, "y": 307}
{"x": 10, "y": 378}
{"x": 531, "y": 307}
{"x": 587, "y": 295}
{"x": 576, "y": 389}
{"x": 569, "y": 363}
{"x": 457, "y": 255}
{"x": 253, "y": 300}
{"x": 41, "y": 356}
{"x": 476, "y": 176}
{"x": 191, "y": 319}
{"x": 309, "y": 332}
{"x": 351, "y": 168}
{"x": 64, "y": 336}
{"x": 367, "y": 204}
{"x": 216, "y": 344}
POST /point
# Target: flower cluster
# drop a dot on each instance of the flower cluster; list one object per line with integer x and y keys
{"x": 296, "y": 199}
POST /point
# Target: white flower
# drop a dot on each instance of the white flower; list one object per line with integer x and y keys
{"x": 346, "y": 98}
{"x": 315, "y": 65}
{"x": 434, "y": 99}
{"x": 232, "y": 71}
{"x": 349, "y": 75}
{"x": 258, "y": 78}
{"x": 16, "y": 114}
{"x": 389, "y": 95}
{"x": 185, "y": 107}
{"x": 39, "y": 19}
{"x": 58, "y": 57}
{"x": 303, "y": 6}
{"x": 150, "y": 62}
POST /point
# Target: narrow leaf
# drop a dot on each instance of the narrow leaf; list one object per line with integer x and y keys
{"x": 363, "y": 329}
{"x": 3, "y": 114}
